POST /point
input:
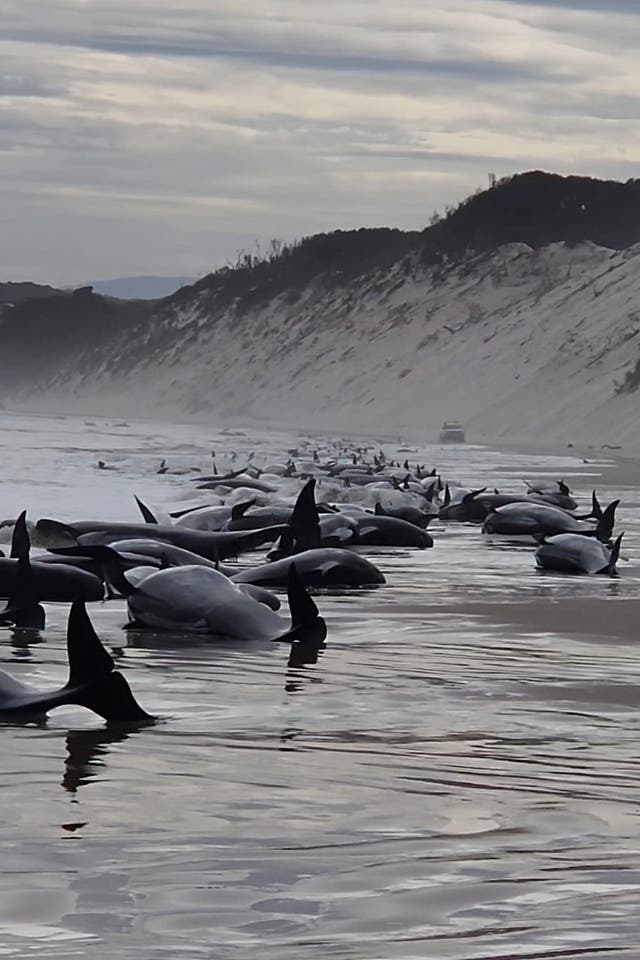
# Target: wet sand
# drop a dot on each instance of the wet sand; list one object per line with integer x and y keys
{"x": 456, "y": 778}
{"x": 616, "y": 467}
{"x": 598, "y": 618}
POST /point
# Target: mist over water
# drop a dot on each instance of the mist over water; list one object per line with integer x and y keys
{"x": 456, "y": 778}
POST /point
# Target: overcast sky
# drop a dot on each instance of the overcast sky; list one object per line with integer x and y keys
{"x": 140, "y": 138}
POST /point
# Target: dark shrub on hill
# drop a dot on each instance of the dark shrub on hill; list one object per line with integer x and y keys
{"x": 538, "y": 208}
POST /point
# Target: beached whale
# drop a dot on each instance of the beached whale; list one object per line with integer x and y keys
{"x": 544, "y": 520}
{"x": 261, "y": 517}
{"x": 574, "y": 553}
{"x": 152, "y": 555}
{"x": 196, "y": 599}
{"x": 555, "y": 492}
{"x": 476, "y": 505}
{"x": 25, "y": 583}
{"x": 212, "y": 517}
{"x": 338, "y": 529}
{"x": 381, "y": 531}
{"x": 406, "y": 512}
{"x": 93, "y": 682}
{"x": 213, "y": 546}
{"x": 237, "y": 483}
{"x": 323, "y": 567}
{"x": 307, "y": 531}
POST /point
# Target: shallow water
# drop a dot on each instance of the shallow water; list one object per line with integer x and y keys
{"x": 451, "y": 780}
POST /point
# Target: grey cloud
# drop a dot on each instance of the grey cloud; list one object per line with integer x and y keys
{"x": 305, "y": 129}
{"x": 17, "y": 85}
{"x": 432, "y": 156}
{"x": 583, "y": 6}
{"x": 487, "y": 71}
{"x": 461, "y": 68}
{"x": 354, "y": 44}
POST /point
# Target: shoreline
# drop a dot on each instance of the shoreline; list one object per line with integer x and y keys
{"x": 615, "y": 464}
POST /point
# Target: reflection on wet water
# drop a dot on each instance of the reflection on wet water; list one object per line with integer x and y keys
{"x": 456, "y": 778}
{"x": 86, "y": 750}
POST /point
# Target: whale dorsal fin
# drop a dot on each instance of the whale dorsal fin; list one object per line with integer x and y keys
{"x": 147, "y": 515}
{"x": 238, "y": 510}
{"x": 430, "y": 492}
{"x": 23, "y": 604}
{"x": 468, "y": 497}
{"x": 20, "y": 542}
{"x": 304, "y": 523}
{"x": 604, "y": 530}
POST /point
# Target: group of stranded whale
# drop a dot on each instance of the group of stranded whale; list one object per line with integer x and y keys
{"x": 170, "y": 569}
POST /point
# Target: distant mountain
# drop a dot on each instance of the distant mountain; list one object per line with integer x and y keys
{"x": 140, "y": 288}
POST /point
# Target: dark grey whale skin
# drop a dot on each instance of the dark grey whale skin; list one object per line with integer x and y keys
{"x": 319, "y": 567}
{"x": 51, "y": 582}
{"x": 213, "y": 546}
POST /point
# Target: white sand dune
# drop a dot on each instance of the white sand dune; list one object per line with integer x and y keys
{"x": 532, "y": 345}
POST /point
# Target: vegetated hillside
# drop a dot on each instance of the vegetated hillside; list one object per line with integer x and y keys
{"x": 535, "y": 336}
{"x": 337, "y": 258}
{"x": 140, "y": 288}
{"x": 539, "y": 208}
{"x": 41, "y": 337}
{"x": 15, "y": 292}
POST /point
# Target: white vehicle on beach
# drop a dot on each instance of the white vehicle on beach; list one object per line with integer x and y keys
{"x": 452, "y": 432}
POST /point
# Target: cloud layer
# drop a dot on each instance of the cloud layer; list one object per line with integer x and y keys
{"x": 140, "y": 139}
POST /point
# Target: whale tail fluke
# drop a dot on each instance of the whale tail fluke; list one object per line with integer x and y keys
{"x": 604, "y": 529}
{"x": 308, "y": 629}
{"x": 596, "y": 509}
{"x": 93, "y": 681}
{"x": 595, "y": 512}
